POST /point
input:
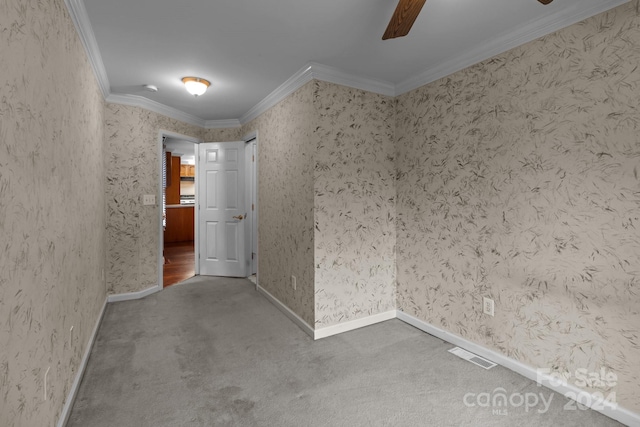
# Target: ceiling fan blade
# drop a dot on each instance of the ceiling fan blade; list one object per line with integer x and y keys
{"x": 545, "y": 2}
{"x": 403, "y": 18}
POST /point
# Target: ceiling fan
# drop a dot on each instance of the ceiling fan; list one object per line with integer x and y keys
{"x": 405, "y": 15}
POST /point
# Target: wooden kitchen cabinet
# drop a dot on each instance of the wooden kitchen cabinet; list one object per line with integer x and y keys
{"x": 168, "y": 169}
{"x": 180, "y": 224}
{"x": 188, "y": 170}
{"x": 172, "y": 192}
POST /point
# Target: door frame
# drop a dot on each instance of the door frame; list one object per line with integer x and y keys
{"x": 165, "y": 133}
{"x": 252, "y": 198}
{"x": 253, "y": 178}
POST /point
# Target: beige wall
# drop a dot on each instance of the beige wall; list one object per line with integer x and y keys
{"x": 223, "y": 135}
{"x": 285, "y": 199}
{"x": 519, "y": 180}
{"x": 515, "y": 179}
{"x": 133, "y": 169}
{"x": 327, "y": 202}
{"x": 131, "y": 135}
{"x": 354, "y": 204}
{"x": 52, "y": 208}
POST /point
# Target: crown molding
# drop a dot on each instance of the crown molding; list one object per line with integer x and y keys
{"x": 524, "y": 34}
{"x": 317, "y": 71}
{"x": 336, "y": 76}
{"x": 220, "y": 124}
{"x": 311, "y": 70}
{"x": 80, "y": 19}
{"x": 156, "y": 107}
{"x": 293, "y": 83}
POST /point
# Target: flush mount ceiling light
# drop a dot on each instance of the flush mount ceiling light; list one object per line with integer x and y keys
{"x": 195, "y": 85}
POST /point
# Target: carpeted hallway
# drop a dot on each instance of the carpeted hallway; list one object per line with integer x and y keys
{"x": 214, "y": 352}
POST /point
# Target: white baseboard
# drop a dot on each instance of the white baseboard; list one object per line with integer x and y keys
{"x": 328, "y": 331}
{"x": 618, "y": 413}
{"x": 287, "y": 311}
{"x": 134, "y": 295}
{"x": 353, "y": 324}
{"x": 71, "y": 397}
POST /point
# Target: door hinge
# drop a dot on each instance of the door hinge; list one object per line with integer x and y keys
{"x": 253, "y": 158}
{"x": 253, "y": 207}
{"x": 252, "y": 254}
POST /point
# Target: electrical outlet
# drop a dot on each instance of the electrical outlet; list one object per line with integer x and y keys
{"x": 148, "y": 199}
{"x": 46, "y": 382}
{"x": 293, "y": 282}
{"x": 487, "y": 306}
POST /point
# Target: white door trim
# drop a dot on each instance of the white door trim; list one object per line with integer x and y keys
{"x": 252, "y": 198}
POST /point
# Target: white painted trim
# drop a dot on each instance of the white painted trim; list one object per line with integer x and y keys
{"x": 252, "y": 139}
{"x": 499, "y": 44}
{"x": 80, "y": 19}
{"x": 134, "y": 295}
{"x": 328, "y": 331}
{"x": 506, "y": 41}
{"x": 293, "y": 83}
{"x": 251, "y": 135}
{"x": 316, "y": 71}
{"x": 180, "y": 136}
{"x": 196, "y": 218}
{"x": 161, "y": 158}
{"x": 286, "y": 310}
{"x": 619, "y": 414}
{"x": 353, "y": 324}
{"x": 71, "y": 397}
{"x": 339, "y": 77}
{"x": 147, "y": 104}
{"x": 222, "y": 124}
{"x": 162, "y": 133}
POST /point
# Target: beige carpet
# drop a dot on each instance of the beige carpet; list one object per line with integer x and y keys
{"x": 214, "y": 352}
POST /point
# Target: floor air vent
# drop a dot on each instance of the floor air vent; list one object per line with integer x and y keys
{"x": 475, "y": 359}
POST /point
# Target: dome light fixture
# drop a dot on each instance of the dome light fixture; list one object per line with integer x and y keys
{"x": 195, "y": 85}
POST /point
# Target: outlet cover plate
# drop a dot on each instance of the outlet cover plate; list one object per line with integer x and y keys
{"x": 487, "y": 306}
{"x": 148, "y": 199}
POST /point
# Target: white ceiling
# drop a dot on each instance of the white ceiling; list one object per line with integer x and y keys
{"x": 248, "y": 48}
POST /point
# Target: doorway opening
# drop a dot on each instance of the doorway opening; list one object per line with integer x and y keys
{"x": 179, "y": 193}
{"x": 180, "y": 217}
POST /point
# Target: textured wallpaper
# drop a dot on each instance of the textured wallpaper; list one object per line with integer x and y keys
{"x": 519, "y": 179}
{"x": 327, "y": 202}
{"x": 133, "y": 170}
{"x": 354, "y": 206}
{"x": 52, "y": 208}
{"x": 285, "y": 198}
{"x": 223, "y": 135}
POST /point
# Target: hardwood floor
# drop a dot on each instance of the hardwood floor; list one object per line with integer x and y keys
{"x": 181, "y": 262}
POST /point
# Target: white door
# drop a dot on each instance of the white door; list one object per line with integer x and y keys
{"x": 222, "y": 210}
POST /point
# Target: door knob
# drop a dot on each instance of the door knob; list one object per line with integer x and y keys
{"x": 238, "y": 217}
